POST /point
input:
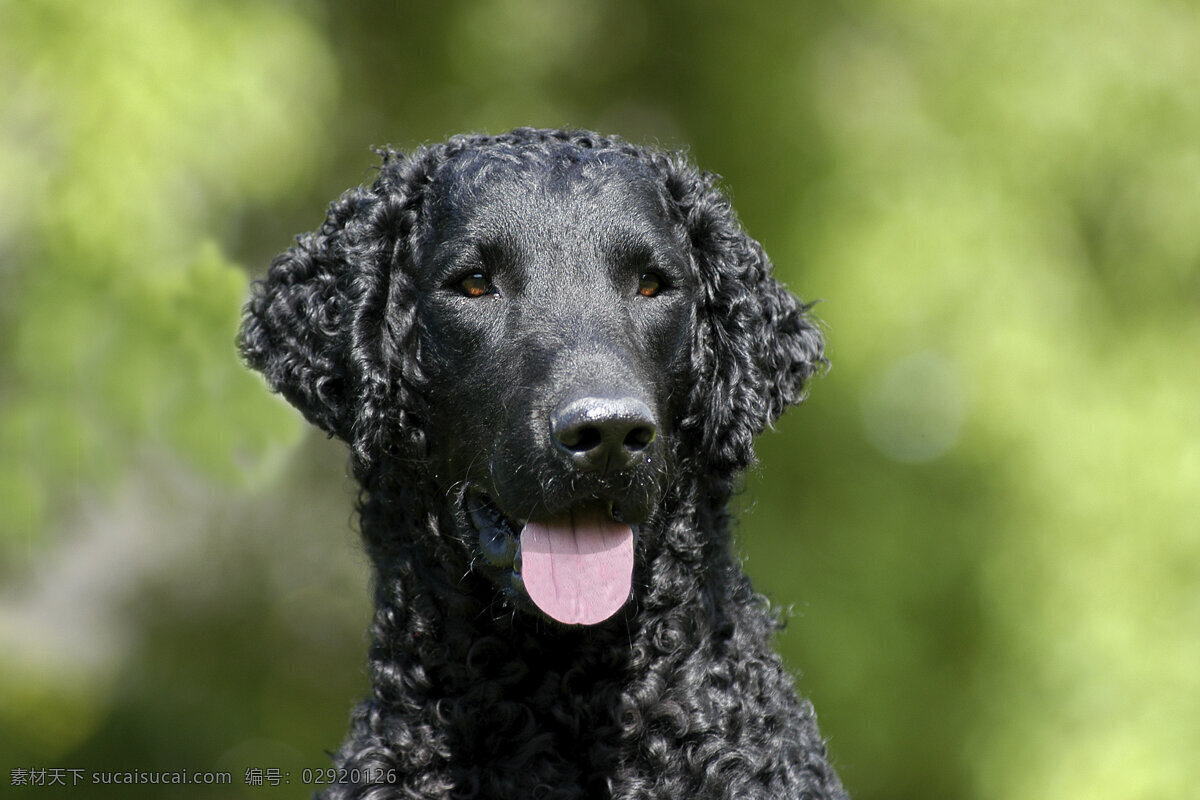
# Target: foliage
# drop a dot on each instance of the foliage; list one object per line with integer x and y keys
{"x": 123, "y": 148}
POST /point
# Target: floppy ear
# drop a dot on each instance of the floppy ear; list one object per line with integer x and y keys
{"x": 328, "y": 323}
{"x": 754, "y": 346}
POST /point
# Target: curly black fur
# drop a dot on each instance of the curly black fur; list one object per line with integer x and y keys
{"x": 679, "y": 695}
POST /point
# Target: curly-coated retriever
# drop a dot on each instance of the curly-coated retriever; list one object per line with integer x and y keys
{"x": 549, "y": 352}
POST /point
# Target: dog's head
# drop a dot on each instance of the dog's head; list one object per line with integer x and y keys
{"x": 546, "y": 328}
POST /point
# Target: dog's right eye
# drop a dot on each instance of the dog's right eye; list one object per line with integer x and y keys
{"x": 650, "y": 284}
{"x": 475, "y": 285}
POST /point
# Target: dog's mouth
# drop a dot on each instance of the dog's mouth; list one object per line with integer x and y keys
{"x": 576, "y": 567}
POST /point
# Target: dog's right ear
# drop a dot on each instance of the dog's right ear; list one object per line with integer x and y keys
{"x": 292, "y": 329}
{"x": 327, "y": 324}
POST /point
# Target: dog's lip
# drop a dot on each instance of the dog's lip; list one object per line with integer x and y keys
{"x": 485, "y": 511}
{"x": 500, "y": 532}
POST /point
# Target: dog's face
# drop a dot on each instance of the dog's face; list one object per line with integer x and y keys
{"x": 555, "y": 304}
{"x": 547, "y": 328}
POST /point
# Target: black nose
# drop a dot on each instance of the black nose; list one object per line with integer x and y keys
{"x": 600, "y": 434}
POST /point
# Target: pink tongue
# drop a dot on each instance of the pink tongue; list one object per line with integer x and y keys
{"x": 577, "y": 568}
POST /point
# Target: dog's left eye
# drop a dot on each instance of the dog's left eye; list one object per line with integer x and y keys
{"x": 649, "y": 284}
{"x": 475, "y": 285}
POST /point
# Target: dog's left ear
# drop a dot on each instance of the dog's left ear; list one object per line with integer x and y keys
{"x": 755, "y": 346}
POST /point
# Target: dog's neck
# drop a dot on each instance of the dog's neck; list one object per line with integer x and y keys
{"x": 475, "y": 696}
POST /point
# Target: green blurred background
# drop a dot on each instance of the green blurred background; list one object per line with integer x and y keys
{"x": 986, "y": 519}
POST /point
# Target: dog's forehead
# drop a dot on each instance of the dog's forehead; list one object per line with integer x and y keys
{"x": 574, "y": 190}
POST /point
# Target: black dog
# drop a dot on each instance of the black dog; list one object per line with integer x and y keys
{"x": 550, "y": 352}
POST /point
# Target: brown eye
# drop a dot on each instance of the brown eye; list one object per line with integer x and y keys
{"x": 649, "y": 284}
{"x": 475, "y": 285}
